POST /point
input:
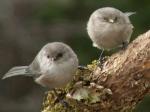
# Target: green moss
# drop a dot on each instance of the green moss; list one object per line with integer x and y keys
{"x": 82, "y": 94}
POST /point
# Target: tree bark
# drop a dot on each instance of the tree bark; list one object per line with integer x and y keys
{"x": 125, "y": 75}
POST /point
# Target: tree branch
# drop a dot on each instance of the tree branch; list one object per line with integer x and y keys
{"x": 119, "y": 86}
{"x": 127, "y": 74}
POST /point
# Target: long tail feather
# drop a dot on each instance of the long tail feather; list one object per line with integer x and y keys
{"x": 130, "y": 13}
{"x": 15, "y": 71}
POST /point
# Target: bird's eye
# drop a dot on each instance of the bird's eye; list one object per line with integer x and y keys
{"x": 48, "y": 56}
{"x": 59, "y": 55}
{"x": 105, "y": 18}
{"x": 115, "y": 19}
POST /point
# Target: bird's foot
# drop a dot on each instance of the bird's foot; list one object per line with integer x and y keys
{"x": 82, "y": 67}
{"x": 60, "y": 99}
{"x": 100, "y": 60}
{"x": 124, "y": 45}
{"x": 100, "y": 63}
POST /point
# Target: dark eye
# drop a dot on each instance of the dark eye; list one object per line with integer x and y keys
{"x": 48, "y": 56}
{"x": 105, "y": 18}
{"x": 115, "y": 19}
{"x": 59, "y": 55}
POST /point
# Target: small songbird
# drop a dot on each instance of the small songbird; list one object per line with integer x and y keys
{"x": 53, "y": 67}
{"x": 109, "y": 28}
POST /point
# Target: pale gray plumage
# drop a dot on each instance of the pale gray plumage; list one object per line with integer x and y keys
{"x": 109, "y": 28}
{"x": 54, "y": 66}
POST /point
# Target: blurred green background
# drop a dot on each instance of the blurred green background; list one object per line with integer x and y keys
{"x": 27, "y": 25}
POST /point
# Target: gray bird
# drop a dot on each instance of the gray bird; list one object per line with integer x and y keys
{"x": 109, "y": 28}
{"x": 53, "y": 67}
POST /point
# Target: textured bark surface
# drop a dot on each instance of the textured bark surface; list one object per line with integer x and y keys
{"x": 118, "y": 87}
{"x": 127, "y": 74}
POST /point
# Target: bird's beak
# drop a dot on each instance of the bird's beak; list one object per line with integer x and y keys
{"x": 52, "y": 59}
{"x": 111, "y": 20}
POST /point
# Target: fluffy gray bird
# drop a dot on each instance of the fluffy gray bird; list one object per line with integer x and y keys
{"x": 109, "y": 28}
{"x": 53, "y": 67}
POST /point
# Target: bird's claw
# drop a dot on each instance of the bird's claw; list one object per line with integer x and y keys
{"x": 60, "y": 99}
{"x": 82, "y": 67}
{"x": 124, "y": 45}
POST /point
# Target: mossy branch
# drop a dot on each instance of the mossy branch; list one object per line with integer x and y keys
{"x": 119, "y": 86}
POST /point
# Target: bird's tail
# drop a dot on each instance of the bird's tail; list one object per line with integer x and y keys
{"x": 15, "y": 71}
